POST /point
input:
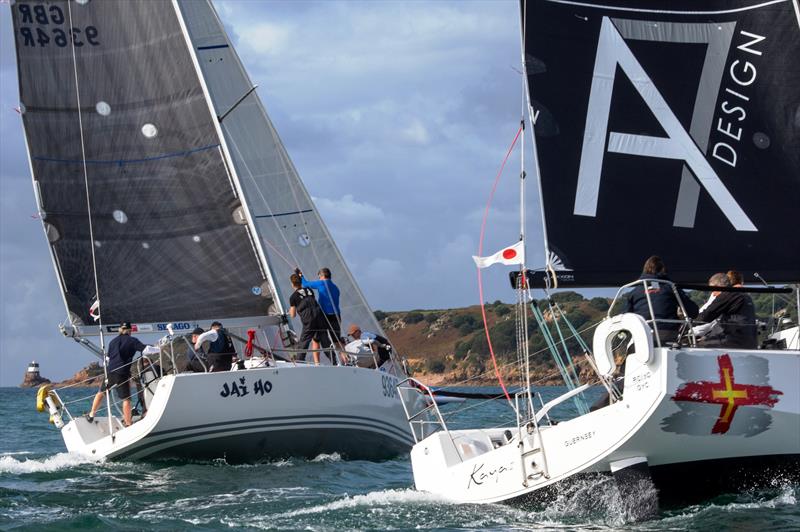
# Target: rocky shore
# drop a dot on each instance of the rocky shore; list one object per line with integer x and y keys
{"x": 33, "y": 381}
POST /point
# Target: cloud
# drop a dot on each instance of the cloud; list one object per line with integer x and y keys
{"x": 416, "y": 132}
{"x": 266, "y": 38}
{"x": 350, "y": 220}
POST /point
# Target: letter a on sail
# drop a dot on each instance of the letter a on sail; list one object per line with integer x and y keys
{"x": 678, "y": 144}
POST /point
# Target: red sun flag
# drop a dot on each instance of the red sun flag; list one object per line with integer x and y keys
{"x": 511, "y": 255}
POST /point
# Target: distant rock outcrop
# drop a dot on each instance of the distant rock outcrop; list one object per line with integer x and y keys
{"x": 32, "y": 377}
{"x": 88, "y": 377}
{"x": 33, "y": 380}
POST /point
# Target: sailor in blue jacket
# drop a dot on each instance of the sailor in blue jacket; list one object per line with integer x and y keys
{"x": 328, "y": 300}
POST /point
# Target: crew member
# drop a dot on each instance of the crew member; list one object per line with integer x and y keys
{"x": 368, "y": 342}
{"x": 302, "y": 303}
{"x": 662, "y": 298}
{"x": 328, "y": 299}
{"x": 119, "y": 356}
{"x": 221, "y": 351}
{"x": 197, "y": 352}
{"x": 710, "y": 333}
{"x": 736, "y": 315}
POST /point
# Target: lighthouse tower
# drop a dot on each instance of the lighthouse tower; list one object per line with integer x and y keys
{"x": 33, "y": 370}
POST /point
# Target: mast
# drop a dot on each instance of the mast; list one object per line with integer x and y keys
{"x": 532, "y": 118}
{"x": 523, "y": 288}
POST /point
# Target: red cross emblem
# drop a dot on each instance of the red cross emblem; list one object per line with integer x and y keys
{"x": 727, "y": 393}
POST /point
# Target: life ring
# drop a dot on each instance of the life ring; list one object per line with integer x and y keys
{"x": 42, "y": 395}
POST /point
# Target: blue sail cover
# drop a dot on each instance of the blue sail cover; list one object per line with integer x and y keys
{"x": 112, "y": 101}
{"x": 669, "y": 128}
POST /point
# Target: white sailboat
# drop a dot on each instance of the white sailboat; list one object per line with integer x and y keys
{"x": 169, "y": 201}
{"x": 684, "y": 421}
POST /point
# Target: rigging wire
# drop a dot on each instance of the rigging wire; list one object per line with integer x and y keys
{"x": 480, "y": 254}
{"x": 86, "y": 186}
{"x": 89, "y": 214}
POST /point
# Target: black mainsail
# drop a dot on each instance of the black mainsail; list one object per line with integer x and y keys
{"x": 669, "y": 128}
{"x": 196, "y": 210}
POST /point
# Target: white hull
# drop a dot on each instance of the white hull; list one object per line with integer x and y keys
{"x": 672, "y": 424}
{"x": 306, "y": 411}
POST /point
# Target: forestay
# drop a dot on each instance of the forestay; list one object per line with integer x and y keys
{"x": 289, "y": 226}
{"x": 669, "y": 128}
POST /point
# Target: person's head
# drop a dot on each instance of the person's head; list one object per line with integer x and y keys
{"x": 736, "y": 278}
{"x": 324, "y": 273}
{"x": 125, "y": 327}
{"x": 197, "y": 332}
{"x": 718, "y": 279}
{"x": 295, "y": 280}
{"x": 216, "y": 325}
{"x": 654, "y": 266}
{"x": 354, "y": 331}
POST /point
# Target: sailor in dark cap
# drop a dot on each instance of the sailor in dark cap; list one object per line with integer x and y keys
{"x": 119, "y": 355}
{"x": 197, "y": 352}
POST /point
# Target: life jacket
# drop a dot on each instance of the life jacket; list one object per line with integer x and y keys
{"x": 308, "y": 309}
{"x": 223, "y": 343}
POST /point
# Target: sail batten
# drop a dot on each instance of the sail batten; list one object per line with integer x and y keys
{"x": 666, "y": 128}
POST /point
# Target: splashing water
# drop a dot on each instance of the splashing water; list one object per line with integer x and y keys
{"x": 42, "y": 486}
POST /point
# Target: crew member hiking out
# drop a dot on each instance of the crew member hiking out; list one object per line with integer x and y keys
{"x": 303, "y": 304}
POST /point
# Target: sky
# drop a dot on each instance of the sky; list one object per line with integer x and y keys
{"x": 397, "y": 116}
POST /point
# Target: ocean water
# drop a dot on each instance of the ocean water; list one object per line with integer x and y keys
{"x": 43, "y": 487}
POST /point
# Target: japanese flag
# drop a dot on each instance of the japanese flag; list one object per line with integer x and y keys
{"x": 94, "y": 310}
{"x": 511, "y": 255}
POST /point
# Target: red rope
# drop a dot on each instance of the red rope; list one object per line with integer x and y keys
{"x": 248, "y": 348}
{"x": 480, "y": 254}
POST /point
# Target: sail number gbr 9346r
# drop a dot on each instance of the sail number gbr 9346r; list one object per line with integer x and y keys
{"x": 47, "y": 26}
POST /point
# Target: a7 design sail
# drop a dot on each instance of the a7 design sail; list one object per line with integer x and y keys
{"x": 668, "y": 128}
{"x": 290, "y": 229}
{"x": 112, "y": 103}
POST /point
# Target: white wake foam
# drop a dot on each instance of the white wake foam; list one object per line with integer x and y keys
{"x": 333, "y": 457}
{"x": 371, "y": 500}
{"x": 9, "y": 464}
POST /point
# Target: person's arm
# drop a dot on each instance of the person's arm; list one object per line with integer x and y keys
{"x": 310, "y": 284}
{"x": 292, "y": 312}
{"x": 139, "y": 345}
{"x": 715, "y": 309}
{"x": 208, "y": 336}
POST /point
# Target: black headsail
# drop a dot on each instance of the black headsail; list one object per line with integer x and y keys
{"x": 111, "y": 96}
{"x": 668, "y": 128}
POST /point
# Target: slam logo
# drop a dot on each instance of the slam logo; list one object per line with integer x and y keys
{"x": 692, "y": 147}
